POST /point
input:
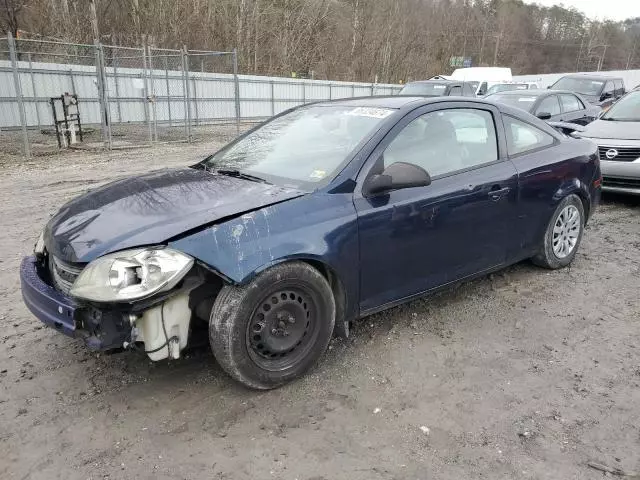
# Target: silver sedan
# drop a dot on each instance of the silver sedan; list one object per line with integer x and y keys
{"x": 617, "y": 134}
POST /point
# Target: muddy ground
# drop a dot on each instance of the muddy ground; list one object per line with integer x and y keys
{"x": 528, "y": 374}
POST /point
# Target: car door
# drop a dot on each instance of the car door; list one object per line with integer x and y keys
{"x": 416, "y": 239}
{"x": 549, "y": 105}
{"x": 573, "y": 110}
{"x": 531, "y": 151}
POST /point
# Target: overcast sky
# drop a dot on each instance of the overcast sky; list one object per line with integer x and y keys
{"x": 600, "y": 9}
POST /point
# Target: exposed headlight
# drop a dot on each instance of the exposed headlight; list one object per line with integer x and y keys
{"x": 131, "y": 275}
{"x": 38, "y": 248}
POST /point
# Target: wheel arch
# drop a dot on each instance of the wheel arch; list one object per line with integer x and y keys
{"x": 578, "y": 188}
{"x": 330, "y": 274}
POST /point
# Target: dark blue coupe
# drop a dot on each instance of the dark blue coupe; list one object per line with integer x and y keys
{"x": 321, "y": 215}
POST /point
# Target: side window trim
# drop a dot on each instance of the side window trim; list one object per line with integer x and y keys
{"x": 533, "y": 150}
{"x": 576, "y": 99}
{"x": 559, "y": 105}
{"x": 381, "y": 146}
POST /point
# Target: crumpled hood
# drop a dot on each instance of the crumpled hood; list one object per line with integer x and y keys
{"x": 152, "y": 209}
{"x": 614, "y": 130}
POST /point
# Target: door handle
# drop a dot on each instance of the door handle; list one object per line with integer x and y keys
{"x": 497, "y": 194}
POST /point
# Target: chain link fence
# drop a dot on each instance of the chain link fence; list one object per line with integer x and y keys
{"x": 112, "y": 97}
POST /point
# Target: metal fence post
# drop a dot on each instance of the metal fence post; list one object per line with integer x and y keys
{"x": 33, "y": 88}
{"x": 330, "y": 92}
{"x": 304, "y": 93}
{"x": 18, "y": 87}
{"x": 117, "y": 88}
{"x": 104, "y": 108}
{"x": 353, "y": 90}
{"x": 105, "y": 94}
{"x": 273, "y": 98}
{"x": 236, "y": 84}
{"x": 195, "y": 102}
{"x": 145, "y": 87}
{"x": 153, "y": 95}
{"x": 166, "y": 78}
{"x": 187, "y": 93}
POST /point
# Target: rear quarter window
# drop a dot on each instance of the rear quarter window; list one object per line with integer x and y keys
{"x": 523, "y": 137}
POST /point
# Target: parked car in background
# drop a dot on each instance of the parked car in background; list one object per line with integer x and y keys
{"x": 617, "y": 134}
{"x": 550, "y": 105}
{"x": 438, "y": 88}
{"x": 600, "y": 90}
{"x": 508, "y": 86}
{"x": 323, "y": 214}
{"x": 482, "y": 78}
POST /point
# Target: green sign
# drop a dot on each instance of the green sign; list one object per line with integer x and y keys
{"x": 460, "y": 62}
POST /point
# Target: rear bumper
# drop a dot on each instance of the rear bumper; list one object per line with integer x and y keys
{"x": 50, "y": 306}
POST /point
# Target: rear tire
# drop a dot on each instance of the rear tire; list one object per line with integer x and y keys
{"x": 272, "y": 330}
{"x": 563, "y": 234}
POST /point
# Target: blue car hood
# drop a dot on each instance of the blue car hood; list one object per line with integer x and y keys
{"x": 152, "y": 209}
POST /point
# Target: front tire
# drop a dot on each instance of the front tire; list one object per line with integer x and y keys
{"x": 272, "y": 330}
{"x": 563, "y": 234}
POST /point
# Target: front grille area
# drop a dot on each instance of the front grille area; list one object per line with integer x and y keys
{"x": 625, "y": 154}
{"x": 63, "y": 274}
{"x": 620, "y": 182}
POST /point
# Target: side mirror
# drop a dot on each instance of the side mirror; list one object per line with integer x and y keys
{"x": 605, "y": 96}
{"x": 543, "y": 115}
{"x": 397, "y": 176}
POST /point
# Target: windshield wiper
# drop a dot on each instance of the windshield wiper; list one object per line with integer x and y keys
{"x": 238, "y": 174}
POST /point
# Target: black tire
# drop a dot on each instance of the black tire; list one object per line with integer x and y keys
{"x": 272, "y": 330}
{"x": 546, "y": 256}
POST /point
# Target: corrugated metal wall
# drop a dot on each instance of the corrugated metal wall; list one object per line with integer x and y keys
{"x": 212, "y": 95}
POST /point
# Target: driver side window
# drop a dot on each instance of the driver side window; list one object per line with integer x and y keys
{"x": 446, "y": 141}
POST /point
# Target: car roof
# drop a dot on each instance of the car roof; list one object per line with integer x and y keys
{"x": 437, "y": 82}
{"x": 587, "y": 76}
{"x": 395, "y": 101}
{"x": 533, "y": 93}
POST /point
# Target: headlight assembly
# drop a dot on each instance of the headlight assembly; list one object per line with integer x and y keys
{"x": 131, "y": 275}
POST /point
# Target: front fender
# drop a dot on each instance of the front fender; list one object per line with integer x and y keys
{"x": 317, "y": 227}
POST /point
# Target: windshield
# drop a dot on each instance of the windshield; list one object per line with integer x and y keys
{"x": 584, "y": 86}
{"x": 424, "y": 89}
{"x": 301, "y": 148}
{"x": 505, "y": 87}
{"x": 524, "y": 101}
{"x": 627, "y": 109}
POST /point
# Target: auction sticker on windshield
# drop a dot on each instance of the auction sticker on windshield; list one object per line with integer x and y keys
{"x": 370, "y": 112}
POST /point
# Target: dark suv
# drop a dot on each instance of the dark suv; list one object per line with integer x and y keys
{"x": 600, "y": 90}
{"x": 438, "y": 88}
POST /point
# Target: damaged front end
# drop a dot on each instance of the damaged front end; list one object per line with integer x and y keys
{"x": 160, "y": 320}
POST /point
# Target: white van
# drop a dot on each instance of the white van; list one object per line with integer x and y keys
{"x": 482, "y": 77}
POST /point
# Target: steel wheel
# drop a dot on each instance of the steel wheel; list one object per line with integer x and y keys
{"x": 566, "y": 231}
{"x": 283, "y": 328}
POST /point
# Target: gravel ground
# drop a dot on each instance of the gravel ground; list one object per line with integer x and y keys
{"x": 527, "y": 374}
